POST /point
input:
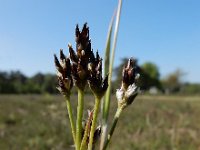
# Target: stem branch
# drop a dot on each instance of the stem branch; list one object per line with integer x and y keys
{"x": 69, "y": 108}
{"x": 86, "y": 132}
{"x": 79, "y": 118}
{"x": 115, "y": 120}
{"x": 96, "y": 110}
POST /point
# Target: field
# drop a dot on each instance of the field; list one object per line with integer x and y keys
{"x": 32, "y": 122}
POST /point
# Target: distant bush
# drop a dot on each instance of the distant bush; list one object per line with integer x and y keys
{"x": 17, "y": 83}
{"x": 190, "y": 88}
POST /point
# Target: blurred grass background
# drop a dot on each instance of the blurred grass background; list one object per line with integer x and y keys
{"x": 40, "y": 122}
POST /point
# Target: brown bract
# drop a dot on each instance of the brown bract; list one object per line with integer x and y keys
{"x": 85, "y": 66}
{"x": 129, "y": 90}
{"x": 65, "y": 82}
{"x": 81, "y": 58}
{"x": 87, "y": 128}
{"x": 129, "y": 74}
{"x": 97, "y": 84}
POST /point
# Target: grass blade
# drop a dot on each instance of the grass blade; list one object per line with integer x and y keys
{"x": 108, "y": 93}
{"x": 109, "y": 66}
{"x": 107, "y": 58}
{"x": 106, "y": 70}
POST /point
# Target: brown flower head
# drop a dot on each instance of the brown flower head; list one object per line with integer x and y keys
{"x": 129, "y": 74}
{"x": 65, "y": 82}
{"x": 129, "y": 90}
{"x": 81, "y": 57}
{"x": 97, "y": 84}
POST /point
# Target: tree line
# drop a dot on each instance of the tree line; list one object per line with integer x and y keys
{"x": 150, "y": 79}
{"x": 16, "y": 82}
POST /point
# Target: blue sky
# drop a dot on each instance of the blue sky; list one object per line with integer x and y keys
{"x": 165, "y": 32}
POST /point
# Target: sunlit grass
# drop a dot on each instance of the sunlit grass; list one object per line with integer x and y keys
{"x": 159, "y": 122}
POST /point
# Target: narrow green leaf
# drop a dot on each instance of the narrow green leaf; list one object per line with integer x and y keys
{"x": 108, "y": 67}
{"x": 107, "y": 57}
{"x": 108, "y": 93}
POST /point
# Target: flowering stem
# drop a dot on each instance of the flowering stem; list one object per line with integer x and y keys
{"x": 84, "y": 141}
{"x": 96, "y": 110}
{"x": 79, "y": 118}
{"x": 86, "y": 132}
{"x": 69, "y": 108}
{"x": 115, "y": 120}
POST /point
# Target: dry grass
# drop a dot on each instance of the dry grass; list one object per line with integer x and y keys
{"x": 151, "y": 123}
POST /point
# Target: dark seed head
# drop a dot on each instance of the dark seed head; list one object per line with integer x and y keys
{"x": 129, "y": 73}
{"x": 65, "y": 82}
{"x": 129, "y": 90}
{"x": 97, "y": 84}
{"x": 82, "y": 58}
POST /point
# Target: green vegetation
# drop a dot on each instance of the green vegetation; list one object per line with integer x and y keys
{"x": 16, "y": 82}
{"x": 33, "y": 122}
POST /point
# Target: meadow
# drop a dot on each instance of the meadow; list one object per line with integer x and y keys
{"x": 40, "y": 122}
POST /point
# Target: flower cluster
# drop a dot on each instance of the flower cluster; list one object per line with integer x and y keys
{"x": 81, "y": 57}
{"x": 65, "y": 82}
{"x": 129, "y": 90}
{"x": 84, "y": 66}
{"x": 96, "y": 82}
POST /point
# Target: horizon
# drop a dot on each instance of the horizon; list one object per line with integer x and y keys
{"x": 166, "y": 33}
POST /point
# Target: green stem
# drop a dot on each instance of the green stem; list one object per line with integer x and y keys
{"x": 115, "y": 120}
{"x": 69, "y": 108}
{"x": 87, "y": 130}
{"x": 84, "y": 141}
{"x": 96, "y": 110}
{"x": 79, "y": 118}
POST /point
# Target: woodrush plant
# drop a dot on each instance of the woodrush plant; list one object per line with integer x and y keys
{"x": 81, "y": 68}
